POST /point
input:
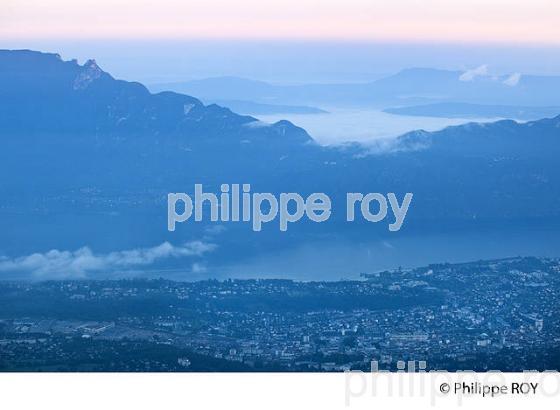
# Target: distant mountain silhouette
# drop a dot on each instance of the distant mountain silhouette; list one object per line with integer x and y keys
{"x": 86, "y": 159}
{"x": 464, "y": 110}
{"x": 408, "y": 87}
{"x": 223, "y": 88}
{"x": 252, "y": 108}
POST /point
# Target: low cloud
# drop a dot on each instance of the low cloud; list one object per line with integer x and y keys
{"x": 513, "y": 79}
{"x": 470, "y": 75}
{"x": 78, "y": 264}
{"x": 412, "y": 141}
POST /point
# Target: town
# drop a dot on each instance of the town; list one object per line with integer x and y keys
{"x": 486, "y": 315}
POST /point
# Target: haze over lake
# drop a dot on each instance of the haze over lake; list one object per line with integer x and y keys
{"x": 340, "y": 125}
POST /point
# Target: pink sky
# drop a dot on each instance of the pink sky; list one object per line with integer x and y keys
{"x": 478, "y": 21}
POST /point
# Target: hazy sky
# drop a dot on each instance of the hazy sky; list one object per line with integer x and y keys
{"x": 288, "y": 41}
{"x": 510, "y": 21}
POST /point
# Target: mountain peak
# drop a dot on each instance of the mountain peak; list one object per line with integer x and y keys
{"x": 57, "y": 97}
{"x": 89, "y": 74}
{"x": 91, "y": 64}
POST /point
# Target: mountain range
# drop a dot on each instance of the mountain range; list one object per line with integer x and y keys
{"x": 88, "y": 159}
{"x": 414, "y": 86}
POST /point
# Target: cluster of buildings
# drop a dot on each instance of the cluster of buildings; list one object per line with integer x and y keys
{"x": 476, "y": 316}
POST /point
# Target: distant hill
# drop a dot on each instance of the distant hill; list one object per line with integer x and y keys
{"x": 222, "y": 88}
{"x": 412, "y": 86}
{"x": 464, "y": 110}
{"x": 252, "y": 108}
